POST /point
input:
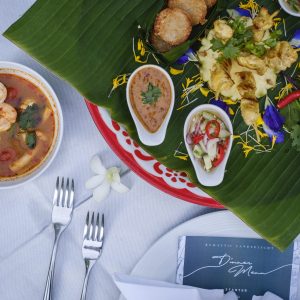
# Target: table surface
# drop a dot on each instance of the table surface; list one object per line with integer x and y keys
{"x": 134, "y": 221}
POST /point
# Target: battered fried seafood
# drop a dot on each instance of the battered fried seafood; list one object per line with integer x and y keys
{"x": 222, "y": 30}
{"x": 249, "y": 102}
{"x": 220, "y": 80}
{"x": 195, "y": 9}
{"x": 242, "y": 66}
{"x": 263, "y": 22}
{"x": 253, "y": 62}
{"x": 282, "y": 56}
{"x": 173, "y": 26}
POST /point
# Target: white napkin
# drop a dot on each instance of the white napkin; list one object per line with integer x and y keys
{"x": 134, "y": 288}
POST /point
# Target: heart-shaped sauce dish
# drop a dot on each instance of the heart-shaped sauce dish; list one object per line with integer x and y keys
{"x": 150, "y": 98}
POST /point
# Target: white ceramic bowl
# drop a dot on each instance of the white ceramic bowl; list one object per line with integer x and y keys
{"x": 146, "y": 137}
{"x": 43, "y": 85}
{"x": 216, "y": 176}
{"x": 287, "y": 9}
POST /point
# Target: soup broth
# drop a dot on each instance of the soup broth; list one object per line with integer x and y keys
{"x": 27, "y": 141}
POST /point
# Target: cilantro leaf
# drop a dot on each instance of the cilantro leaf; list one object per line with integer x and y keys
{"x": 231, "y": 51}
{"x": 256, "y": 49}
{"x": 31, "y": 140}
{"x": 217, "y": 45}
{"x": 152, "y": 94}
{"x": 30, "y": 117}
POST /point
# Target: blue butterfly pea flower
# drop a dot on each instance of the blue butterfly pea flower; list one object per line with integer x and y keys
{"x": 239, "y": 12}
{"x": 186, "y": 57}
{"x": 273, "y": 119}
{"x": 295, "y": 41}
{"x": 273, "y": 122}
{"x": 220, "y": 103}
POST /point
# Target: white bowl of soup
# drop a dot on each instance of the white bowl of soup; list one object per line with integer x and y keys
{"x": 31, "y": 124}
{"x": 150, "y": 98}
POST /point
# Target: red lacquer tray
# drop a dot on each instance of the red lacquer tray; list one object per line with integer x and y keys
{"x": 169, "y": 181}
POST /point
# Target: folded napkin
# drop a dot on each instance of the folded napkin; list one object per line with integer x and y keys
{"x": 134, "y": 288}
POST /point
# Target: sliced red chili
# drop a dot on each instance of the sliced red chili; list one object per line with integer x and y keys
{"x": 220, "y": 157}
{"x": 198, "y": 138}
{"x": 226, "y": 144}
{"x": 212, "y": 129}
{"x": 7, "y": 154}
{"x": 288, "y": 99}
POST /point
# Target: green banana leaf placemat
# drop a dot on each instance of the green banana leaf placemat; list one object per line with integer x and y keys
{"x": 90, "y": 42}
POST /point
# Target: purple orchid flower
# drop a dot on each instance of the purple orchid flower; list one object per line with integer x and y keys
{"x": 273, "y": 122}
{"x": 220, "y": 103}
{"x": 186, "y": 57}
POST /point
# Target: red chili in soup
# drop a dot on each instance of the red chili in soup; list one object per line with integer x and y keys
{"x": 27, "y": 126}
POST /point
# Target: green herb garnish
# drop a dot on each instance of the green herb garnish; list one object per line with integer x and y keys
{"x": 152, "y": 94}
{"x": 31, "y": 139}
{"x": 30, "y": 117}
{"x": 242, "y": 40}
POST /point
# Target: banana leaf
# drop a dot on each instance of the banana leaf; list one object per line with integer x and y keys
{"x": 90, "y": 42}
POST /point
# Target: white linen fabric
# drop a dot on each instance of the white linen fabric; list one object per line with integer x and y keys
{"x": 134, "y": 221}
{"x": 135, "y": 288}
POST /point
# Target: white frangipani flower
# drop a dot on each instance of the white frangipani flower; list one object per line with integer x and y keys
{"x": 104, "y": 180}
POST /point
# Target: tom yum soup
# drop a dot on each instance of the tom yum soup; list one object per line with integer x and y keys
{"x": 27, "y": 126}
{"x": 150, "y": 96}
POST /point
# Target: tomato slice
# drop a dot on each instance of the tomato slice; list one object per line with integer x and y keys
{"x": 220, "y": 157}
{"x": 11, "y": 93}
{"x": 7, "y": 154}
{"x": 198, "y": 138}
{"x": 212, "y": 129}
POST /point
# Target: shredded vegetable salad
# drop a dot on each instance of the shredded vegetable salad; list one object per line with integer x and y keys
{"x": 209, "y": 139}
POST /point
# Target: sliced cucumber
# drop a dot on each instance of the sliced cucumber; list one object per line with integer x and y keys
{"x": 212, "y": 148}
{"x": 208, "y": 116}
{"x": 202, "y": 145}
{"x": 198, "y": 152}
{"x": 207, "y": 162}
{"x": 224, "y": 134}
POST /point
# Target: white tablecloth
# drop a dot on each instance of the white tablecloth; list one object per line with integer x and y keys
{"x": 134, "y": 221}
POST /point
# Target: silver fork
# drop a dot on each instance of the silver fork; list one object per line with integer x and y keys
{"x": 63, "y": 200}
{"x": 93, "y": 237}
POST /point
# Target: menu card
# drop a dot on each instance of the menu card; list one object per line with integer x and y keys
{"x": 247, "y": 266}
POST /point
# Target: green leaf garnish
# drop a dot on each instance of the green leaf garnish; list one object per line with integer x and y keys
{"x": 31, "y": 140}
{"x": 242, "y": 40}
{"x": 152, "y": 94}
{"x": 30, "y": 117}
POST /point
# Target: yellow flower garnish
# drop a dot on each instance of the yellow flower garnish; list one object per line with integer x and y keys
{"x": 284, "y": 91}
{"x": 141, "y": 55}
{"x": 252, "y": 6}
{"x": 180, "y": 155}
{"x": 119, "y": 81}
{"x": 246, "y": 148}
{"x": 175, "y": 72}
{"x": 229, "y": 102}
{"x": 204, "y": 91}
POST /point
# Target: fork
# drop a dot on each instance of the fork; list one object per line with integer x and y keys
{"x": 63, "y": 200}
{"x": 93, "y": 237}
